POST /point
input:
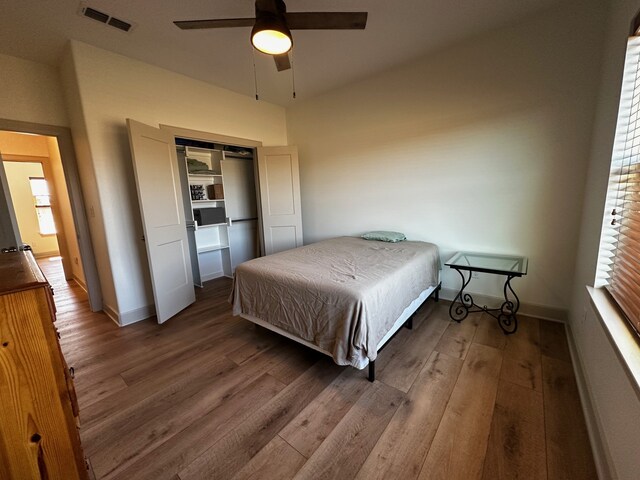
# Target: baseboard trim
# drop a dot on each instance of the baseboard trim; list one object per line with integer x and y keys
{"x": 132, "y": 316}
{"x": 111, "y": 313}
{"x": 46, "y": 254}
{"x": 543, "y": 312}
{"x": 601, "y": 455}
{"x": 211, "y": 276}
{"x": 83, "y": 286}
{"x": 137, "y": 315}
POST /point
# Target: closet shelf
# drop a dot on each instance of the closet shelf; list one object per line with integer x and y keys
{"x": 205, "y": 175}
{"x": 211, "y": 226}
{"x": 208, "y": 200}
{"x": 211, "y": 248}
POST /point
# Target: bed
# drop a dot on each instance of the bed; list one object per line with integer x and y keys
{"x": 345, "y": 297}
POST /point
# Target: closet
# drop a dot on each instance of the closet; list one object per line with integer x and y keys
{"x": 221, "y": 207}
{"x": 209, "y": 202}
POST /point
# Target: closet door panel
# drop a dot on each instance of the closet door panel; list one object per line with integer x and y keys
{"x": 244, "y": 241}
{"x": 280, "y": 198}
{"x": 239, "y": 188}
{"x": 163, "y": 219}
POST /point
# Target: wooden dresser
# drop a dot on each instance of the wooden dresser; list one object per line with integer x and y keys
{"x": 39, "y": 436}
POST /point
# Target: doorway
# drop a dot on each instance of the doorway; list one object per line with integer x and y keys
{"x": 42, "y": 202}
{"x": 220, "y": 206}
{"x": 40, "y": 199}
{"x": 164, "y": 209}
{"x": 217, "y": 249}
{"x": 31, "y": 198}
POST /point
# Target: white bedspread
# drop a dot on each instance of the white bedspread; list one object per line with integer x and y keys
{"x": 342, "y": 294}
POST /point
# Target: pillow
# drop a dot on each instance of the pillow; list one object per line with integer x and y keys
{"x": 383, "y": 236}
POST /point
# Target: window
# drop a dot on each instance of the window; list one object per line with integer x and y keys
{"x": 619, "y": 256}
{"x": 42, "y": 200}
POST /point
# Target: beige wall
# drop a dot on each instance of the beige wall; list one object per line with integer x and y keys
{"x": 103, "y": 89}
{"x": 616, "y": 404}
{"x": 13, "y": 143}
{"x": 18, "y": 174}
{"x": 64, "y": 207}
{"x": 30, "y": 92}
{"x": 481, "y": 146}
{"x": 8, "y": 224}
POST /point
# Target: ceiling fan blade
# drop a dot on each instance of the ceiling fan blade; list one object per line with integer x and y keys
{"x": 282, "y": 62}
{"x": 215, "y": 23}
{"x": 326, "y": 20}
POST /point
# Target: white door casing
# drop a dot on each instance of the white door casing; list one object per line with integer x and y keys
{"x": 161, "y": 205}
{"x": 279, "y": 179}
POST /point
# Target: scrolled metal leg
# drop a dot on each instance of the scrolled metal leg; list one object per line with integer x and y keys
{"x": 462, "y": 302}
{"x": 507, "y": 317}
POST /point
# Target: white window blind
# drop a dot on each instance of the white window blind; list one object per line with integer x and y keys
{"x": 42, "y": 200}
{"x": 619, "y": 256}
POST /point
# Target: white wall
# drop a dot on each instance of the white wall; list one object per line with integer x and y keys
{"x": 102, "y": 90}
{"x": 615, "y": 402}
{"x": 18, "y": 174}
{"x": 481, "y": 146}
{"x": 88, "y": 179}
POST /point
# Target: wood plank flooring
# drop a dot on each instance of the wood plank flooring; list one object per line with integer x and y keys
{"x": 210, "y": 396}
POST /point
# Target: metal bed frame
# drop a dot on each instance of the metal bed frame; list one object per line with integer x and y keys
{"x": 405, "y": 319}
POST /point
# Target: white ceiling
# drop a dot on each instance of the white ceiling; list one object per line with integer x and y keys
{"x": 397, "y": 31}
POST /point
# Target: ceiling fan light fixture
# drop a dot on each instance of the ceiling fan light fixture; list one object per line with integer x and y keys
{"x": 271, "y": 35}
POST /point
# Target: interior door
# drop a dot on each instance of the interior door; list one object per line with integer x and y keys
{"x": 161, "y": 205}
{"x": 279, "y": 179}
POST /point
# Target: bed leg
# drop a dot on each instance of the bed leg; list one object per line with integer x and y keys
{"x": 437, "y": 293}
{"x": 409, "y": 323}
{"x": 372, "y": 371}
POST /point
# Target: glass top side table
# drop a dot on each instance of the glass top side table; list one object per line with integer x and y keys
{"x": 510, "y": 266}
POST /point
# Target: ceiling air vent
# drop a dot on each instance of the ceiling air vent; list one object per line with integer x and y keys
{"x": 92, "y": 13}
{"x": 95, "y": 14}
{"x": 121, "y": 24}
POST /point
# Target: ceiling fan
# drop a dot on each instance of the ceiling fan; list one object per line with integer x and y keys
{"x": 271, "y": 32}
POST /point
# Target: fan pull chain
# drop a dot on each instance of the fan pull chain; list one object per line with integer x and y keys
{"x": 293, "y": 75}
{"x": 255, "y": 75}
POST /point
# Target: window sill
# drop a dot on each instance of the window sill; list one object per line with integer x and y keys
{"x": 623, "y": 339}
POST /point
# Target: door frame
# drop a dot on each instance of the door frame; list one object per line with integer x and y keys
{"x": 76, "y": 199}
{"x": 13, "y": 221}
{"x": 226, "y": 140}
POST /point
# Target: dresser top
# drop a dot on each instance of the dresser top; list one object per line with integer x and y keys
{"x": 19, "y": 271}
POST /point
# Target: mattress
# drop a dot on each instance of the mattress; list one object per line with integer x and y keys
{"x": 342, "y": 294}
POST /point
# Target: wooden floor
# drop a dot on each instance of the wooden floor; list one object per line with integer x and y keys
{"x": 210, "y": 396}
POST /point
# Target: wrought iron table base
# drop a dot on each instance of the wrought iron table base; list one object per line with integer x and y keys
{"x": 463, "y": 305}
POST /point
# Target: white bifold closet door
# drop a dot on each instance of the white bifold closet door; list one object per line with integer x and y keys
{"x": 279, "y": 183}
{"x": 161, "y": 205}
